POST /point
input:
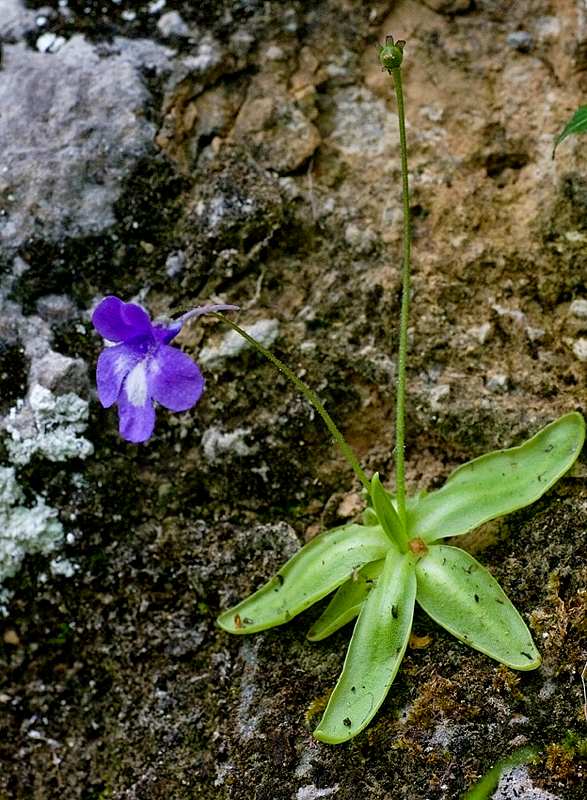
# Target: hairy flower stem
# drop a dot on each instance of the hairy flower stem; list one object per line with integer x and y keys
{"x": 310, "y": 396}
{"x": 400, "y": 403}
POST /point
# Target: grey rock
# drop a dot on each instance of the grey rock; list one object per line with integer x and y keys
{"x": 362, "y": 126}
{"x": 580, "y": 348}
{"x": 218, "y": 444}
{"x": 438, "y": 395}
{"x": 312, "y": 792}
{"x": 49, "y": 42}
{"x": 73, "y": 127}
{"x": 175, "y": 263}
{"x": 361, "y": 239}
{"x": 481, "y": 333}
{"x": 172, "y": 25}
{"x": 498, "y": 383}
{"x": 61, "y": 374}
{"x": 265, "y": 331}
{"x": 56, "y": 308}
{"x": 15, "y": 20}
{"x": 578, "y": 308}
{"x": 516, "y": 783}
{"x": 520, "y": 41}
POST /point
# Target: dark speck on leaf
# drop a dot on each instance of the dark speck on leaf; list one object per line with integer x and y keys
{"x": 394, "y": 612}
{"x": 279, "y": 579}
{"x": 353, "y": 688}
{"x": 549, "y": 449}
{"x": 476, "y": 598}
{"x": 529, "y": 657}
{"x": 497, "y": 600}
{"x": 346, "y": 721}
{"x": 247, "y": 621}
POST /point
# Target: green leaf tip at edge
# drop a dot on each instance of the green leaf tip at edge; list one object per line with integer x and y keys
{"x": 577, "y": 124}
{"x": 319, "y": 568}
{"x": 495, "y": 484}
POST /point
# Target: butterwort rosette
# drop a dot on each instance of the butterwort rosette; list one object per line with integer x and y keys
{"x": 139, "y": 367}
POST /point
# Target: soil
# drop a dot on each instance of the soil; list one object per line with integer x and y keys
{"x": 275, "y": 175}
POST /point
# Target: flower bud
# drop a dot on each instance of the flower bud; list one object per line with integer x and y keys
{"x": 391, "y": 54}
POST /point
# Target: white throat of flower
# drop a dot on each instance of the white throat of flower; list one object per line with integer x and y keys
{"x": 136, "y": 385}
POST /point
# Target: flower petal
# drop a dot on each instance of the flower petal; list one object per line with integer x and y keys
{"x": 136, "y": 423}
{"x": 118, "y": 321}
{"x": 114, "y": 364}
{"x": 175, "y": 380}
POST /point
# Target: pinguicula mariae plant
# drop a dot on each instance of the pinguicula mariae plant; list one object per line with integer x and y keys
{"x": 379, "y": 569}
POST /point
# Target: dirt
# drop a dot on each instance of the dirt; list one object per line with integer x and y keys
{"x": 277, "y": 177}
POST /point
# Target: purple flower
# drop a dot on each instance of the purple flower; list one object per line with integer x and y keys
{"x": 140, "y": 367}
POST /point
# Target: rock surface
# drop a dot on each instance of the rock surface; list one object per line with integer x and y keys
{"x": 74, "y": 126}
{"x": 179, "y": 153}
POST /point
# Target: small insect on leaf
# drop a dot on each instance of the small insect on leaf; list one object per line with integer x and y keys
{"x": 577, "y": 124}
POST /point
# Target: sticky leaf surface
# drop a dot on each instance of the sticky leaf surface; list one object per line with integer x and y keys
{"x": 462, "y": 596}
{"x": 498, "y": 483}
{"x": 375, "y": 652}
{"x": 316, "y": 570}
{"x": 347, "y": 601}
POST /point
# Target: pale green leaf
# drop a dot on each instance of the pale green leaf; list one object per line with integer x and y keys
{"x": 347, "y": 601}
{"x": 375, "y": 652}
{"x": 577, "y": 124}
{"x": 498, "y": 483}
{"x": 386, "y": 513}
{"x": 317, "y": 569}
{"x": 462, "y": 596}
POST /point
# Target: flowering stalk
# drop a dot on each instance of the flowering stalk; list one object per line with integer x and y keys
{"x": 391, "y": 56}
{"x": 310, "y": 396}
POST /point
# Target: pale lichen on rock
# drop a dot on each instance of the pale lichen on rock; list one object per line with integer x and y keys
{"x": 48, "y": 425}
{"x": 23, "y": 529}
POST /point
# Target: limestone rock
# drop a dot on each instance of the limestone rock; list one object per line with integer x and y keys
{"x": 73, "y": 127}
{"x": 277, "y": 132}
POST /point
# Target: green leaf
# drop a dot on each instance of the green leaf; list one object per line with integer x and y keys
{"x": 387, "y": 515}
{"x": 461, "y": 595}
{"x": 577, "y": 124}
{"x": 347, "y": 602}
{"x": 498, "y": 483}
{"x": 316, "y": 570}
{"x": 377, "y": 647}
